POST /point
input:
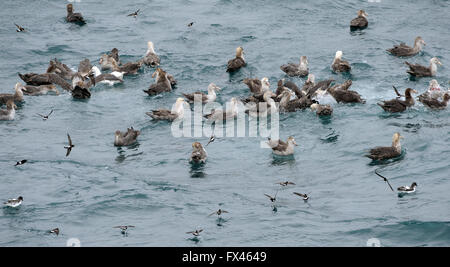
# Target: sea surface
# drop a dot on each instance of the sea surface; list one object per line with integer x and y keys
{"x": 152, "y": 186}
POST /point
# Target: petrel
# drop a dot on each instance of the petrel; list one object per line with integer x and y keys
{"x": 218, "y": 212}
{"x": 211, "y": 139}
{"x": 286, "y": 183}
{"x": 70, "y": 146}
{"x": 46, "y": 116}
{"x": 195, "y": 233}
{"x": 21, "y": 162}
{"x": 124, "y": 228}
{"x": 134, "y": 14}
{"x": 19, "y": 28}
{"x": 304, "y": 196}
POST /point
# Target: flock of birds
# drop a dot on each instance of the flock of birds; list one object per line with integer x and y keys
{"x": 262, "y": 101}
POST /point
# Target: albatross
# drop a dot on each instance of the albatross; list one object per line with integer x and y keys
{"x": 388, "y": 152}
{"x": 296, "y": 70}
{"x": 418, "y": 70}
{"x": 126, "y": 138}
{"x": 74, "y": 17}
{"x": 340, "y": 65}
{"x": 402, "y": 50}
{"x": 177, "y": 112}
{"x": 398, "y": 105}
{"x": 237, "y": 62}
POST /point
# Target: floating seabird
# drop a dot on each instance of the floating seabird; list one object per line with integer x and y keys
{"x": 407, "y": 189}
{"x": 257, "y": 86}
{"x": 107, "y": 62}
{"x": 81, "y": 86}
{"x": 219, "y": 115}
{"x": 402, "y": 50}
{"x": 211, "y": 139}
{"x": 286, "y": 183}
{"x": 14, "y": 203}
{"x": 398, "y": 105}
{"x": 61, "y": 69}
{"x": 16, "y": 97}
{"x": 162, "y": 83}
{"x": 54, "y": 231}
{"x": 124, "y": 228}
{"x": 195, "y": 233}
{"x": 218, "y": 212}
{"x": 341, "y": 93}
{"x": 296, "y": 70}
{"x": 434, "y": 103}
{"x": 359, "y": 22}
{"x": 151, "y": 58}
{"x": 70, "y": 146}
{"x": 322, "y": 110}
{"x": 388, "y": 152}
{"x": 198, "y": 154}
{"x": 190, "y": 24}
{"x": 287, "y": 105}
{"x": 108, "y": 78}
{"x": 39, "y": 90}
{"x": 205, "y": 98}
{"x": 434, "y": 91}
{"x": 127, "y": 68}
{"x": 237, "y": 62}
{"x": 45, "y": 79}
{"x": 21, "y": 162}
{"x": 85, "y": 67}
{"x": 422, "y": 71}
{"x": 304, "y": 196}
{"x": 19, "y": 28}
{"x": 134, "y": 14}
{"x": 385, "y": 179}
{"x": 177, "y": 112}
{"x": 311, "y": 87}
{"x": 74, "y": 17}
{"x": 262, "y": 108}
{"x": 340, "y": 65}
{"x": 45, "y": 117}
{"x": 281, "y": 148}
{"x": 282, "y": 85}
{"x": 9, "y": 113}
{"x": 127, "y": 138}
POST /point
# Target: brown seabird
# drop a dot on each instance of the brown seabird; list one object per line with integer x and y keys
{"x": 108, "y": 78}
{"x": 257, "y": 86}
{"x": 304, "y": 196}
{"x": 127, "y": 138}
{"x": 70, "y": 146}
{"x": 39, "y": 90}
{"x": 128, "y": 68}
{"x": 205, "y": 98}
{"x": 322, "y": 110}
{"x": 402, "y": 50}
{"x": 61, "y": 69}
{"x": 388, "y": 152}
{"x": 237, "y": 62}
{"x": 359, "y": 22}
{"x": 217, "y": 115}
{"x": 434, "y": 103}
{"x": 418, "y": 70}
{"x": 161, "y": 85}
{"x": 341, "y": 93}
{"x": 340, "y": 65}
{"x": 296, "y": 70}
{"x": 218, "y": 212}
{"x": 19, "y": 28}
{"x": 16, "y": 97}
{"x": 151, "y": 58}
{"x": 262, "y": 108}
{"x": 195, "y": 233}
{"x": 198, "y": 154}
{"x": 45, "y": 79}
{"x": 281, "y": 148}
{"x": 311, "y": 87}
{"x": 134, "y": 14}
{"x": 398, "y": 105}
{"x": 74, "y": 17}
{"x": 177, "y": 112}
{"x": 8, "y": 113}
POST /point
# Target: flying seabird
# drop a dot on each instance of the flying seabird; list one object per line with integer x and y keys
{"x": 205, "y": 98}
{"x": 341, "y": 93}
{"x": 281, "y": 148}
{"x": 385, "y": 179}
{"x": 398, "y": 105}
{"x": 402, "y": 50}
{"x": 211, "y": 139}
{"x": 388, "y": 152}
{"x": 74, "y": 17}
{"x": 418, "y": 70}
{"x": 322, "y": 110}
{"x": 134, "y": 14}
{"x": 16, "y": 97}
{"x": 218, "y": 212}
{"x": 407, "y": 189}
{"x": 127, "y": 138}
{"x": 70, "y": 146}
{"x": 340, "y": 65}
{"x": 162, "y": 83}
{"x": 359, "y": 22}
{"x": 195, "y": 233}
{"x": 19, "y": 28}
{"x": 304, "y": 196}
{"x": 220, "y": 115}
{"x": 177, "y": 112}
{"x": 198, "y": 154}
{"x": 39, "y": 90}
{"x": 54, "y": 231}
{"x": 9, "y": 113}
{"x": 296, "y": 70}
{"x": 124, "y": 228}
{"x": 434, "y": 103}
{"x": 14, "y": 203}
{"x": 21, "y": 162}
{"x": 151, "y": 58}
{"x": 190, "y": 24}
{"x": 237, "y": 62}
{"x": 272, "y": 199}
{"x": 286, "y": 183}
{"x": 45, "y": 117}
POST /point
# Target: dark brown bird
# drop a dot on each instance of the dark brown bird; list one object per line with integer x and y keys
{"x": 218, "y": 212}
{"x": 434, "y": 103}
{"x": 322, "y": 110}
{"x": 45, "y": 79}
{"x": 195, "y": 233}
{"x": 388, "y": 152}
{"x": 74, "y": 17}
{"x": 19, "y": 28}
{"x": 304, "y": 196}
{"x": 398, "y": 105}
{"x": 70, "y": 146}
{"x": 402, "y": 50}
{"x": 45, "y": 117}
{"x": 341, "y": 93}
{"x": 418, "y": 70}
{"x": 340, "y": 65}
{"x": 359, "y": 22}
{"x": 134, "y": 14}
{"x": 286, "y": 183}
{"x": 126, "y": 138}
{"x": 54, "y": 231}
{"x": 237, "y": 62}
{"x": 311, "y": 87}
{"x": 272, "y": 199}
{"x": 162, "y": 83}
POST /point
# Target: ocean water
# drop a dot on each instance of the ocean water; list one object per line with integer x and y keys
{"x": 152, "y": 186}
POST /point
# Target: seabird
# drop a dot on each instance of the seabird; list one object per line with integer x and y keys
{"x": 81, "y": 86}
{"x": 177, "y": 112}
{"x": 54, "y": 231}
{"x": 190, "y": 24}
{"x": 282, "y": 85}
{"x": 9, "y": 113}
{"x": 14, "y": 203}
{"x": 359, "y": 22}
{"x": 45, "y": 117}
{"x": 19, "y": 28}
{"x": 296, "y": 70}
{"x": 108, "y": 78}
{"x": 195, "y": 233}
{"x": 198, "y": 154}
{"x": 237, "y": 62}
{"x": 45, "y": 79}
{"x": 127, "y": 138}
{"x": 21, "y": 162}
{"x": 418, "y": 70}
{"x": 134, "y": 14}
{"x": 16, "y": 97}
{"x": 85, "y": 67}
{"x": 262, "y": 108}
{"x": 61, "y": 69}
{"x": 70, "y": 146}
{"x": 385, "y": 179}
{"x": 151, "y": 58}
{"x": 407, "y": 189}
{"x": 281, "y": 148}
{"x": 341, "y": 93}
{"x": 124, "y": 228}
{"x": 272, "y": 199}
{"x": 322, "y": 110}
{"x": 127, "y": 68}
{"x": 402, "y": 50}
{"x": 340, "y": 65}
{"x": 205, "y": 98}
{"x": 434, "y": 91}
{"x": 218, "y": 212}
{"x": 74, "y": 17}
{"x": 398, "y": 105}
{"x": 162, "y": 83}
{"x": 287, "y": 105}
{"x": 107, "y": 62}
{"x": 388, "y": 152}
{"x": 434, "y": 103}
{"x": 311, "y": 87}
{"x": 211, "y": 139}
{"x": 286, "y": 183}
{"x": 304, "y": 196}
{"x": 257, "y": 86}
{"x": 220, "y": 115}
{"x": 39, "y": 90}
{"x": 114, "y": 53}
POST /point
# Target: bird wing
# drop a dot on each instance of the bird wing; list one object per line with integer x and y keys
{"x": 385, "y": 179}
{"x": 70, "y": 140}
{"x": 299, "y": 194}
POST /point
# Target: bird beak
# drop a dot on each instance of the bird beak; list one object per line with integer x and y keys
{"x": 414, "y": 91}
{"x": 440, "y": 63}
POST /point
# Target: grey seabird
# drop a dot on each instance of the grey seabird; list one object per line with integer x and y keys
{"x": 205, "y": 98}
{"x": 388, "y": 152}
{"x": 340, "y": 65}
{"x": 9, "y": 113}
{"x": 341, "y": 93}
{"x": 177, "y": 112}
{"x": 162, "y": 83}
{"x": 16, "y": 97}
{"x": 402, "y": 50}
{"x": 14, "y": 203}
{"x": 237, "y": 62}
{"x": 281, "y": 148}
{"x": 74, "y": 17}
{"x": 398, "y": 105}
{"x": 198, "y": 154}
{"x": 296, "y": 70}
{"x": 359, "y": 22}
{"x": 418, "y": 70}
{"x": 85, "y": 67}
{"x": 151, "y": 58}
{"x": 127, "y": 138}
